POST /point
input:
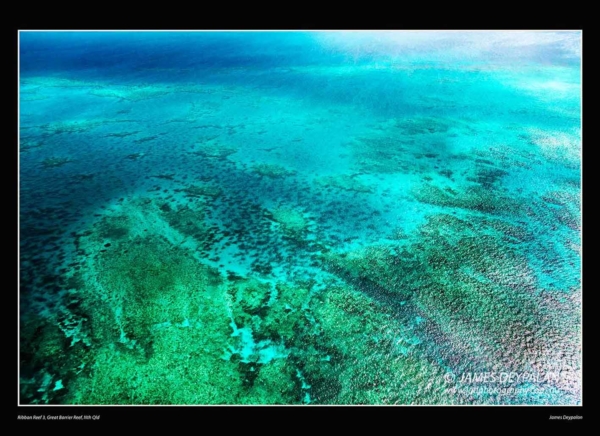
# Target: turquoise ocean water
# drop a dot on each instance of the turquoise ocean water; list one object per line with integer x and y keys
{"x": 300, "y": 217}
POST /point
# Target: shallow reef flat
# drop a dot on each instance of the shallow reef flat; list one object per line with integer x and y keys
{"x": 319, "y": 218}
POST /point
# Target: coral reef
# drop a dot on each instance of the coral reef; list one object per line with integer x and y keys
{"x": 237, "y": 219}
{"x": 272, "y": 171}
{"x": 292, "y": 221}
{"x": 212, "y": 150}
{"x": 202, "y": 190}
{"x": 475, "y": 198}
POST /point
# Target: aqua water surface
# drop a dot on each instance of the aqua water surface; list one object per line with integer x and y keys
{"x": 300, "y": 218}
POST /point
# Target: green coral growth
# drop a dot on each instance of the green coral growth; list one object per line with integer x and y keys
{"x": 475, "y": 198}
{"x": 292, "y": 221}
